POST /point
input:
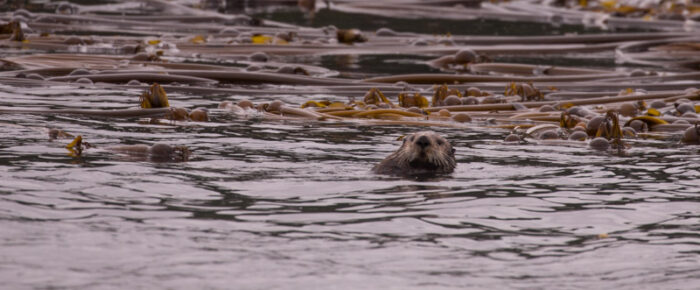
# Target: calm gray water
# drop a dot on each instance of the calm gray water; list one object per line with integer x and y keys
{"x": 290, "y": 205}
{"x": 268, "y": 204}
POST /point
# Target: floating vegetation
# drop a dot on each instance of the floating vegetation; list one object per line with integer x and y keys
{"x": 155, "y": 97}
{"x": 14, "y": 29}
{"x": 77, "y": 146}
{"x": 258, "y": 57}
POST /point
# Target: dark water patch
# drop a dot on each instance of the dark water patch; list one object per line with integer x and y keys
{"x": 344, "y": 20}
{"x": 366, "y": 66}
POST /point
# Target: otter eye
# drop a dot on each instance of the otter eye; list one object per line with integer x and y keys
{"x": 439, "y": 142}
{"x": 453, "y": 151}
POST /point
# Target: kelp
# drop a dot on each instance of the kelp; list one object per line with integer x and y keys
{"x": 441, "y": 93}
{"x": 14, "y": 29}
{"x": 77, "y": 146}
{"x": 203, "y": 53}
{"x": 155, "y": 97}
{"x": 526, "y": 91}
{"x": 407, "y": 100}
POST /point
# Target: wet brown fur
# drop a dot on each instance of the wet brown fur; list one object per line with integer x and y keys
{"x": 156, "y": 153}
{"x": 422, "y": 153}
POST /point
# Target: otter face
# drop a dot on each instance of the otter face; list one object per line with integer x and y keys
{"x": 166, "y": 153}
{"x": 421, "y": 153}
{"x": 429, "y": 151}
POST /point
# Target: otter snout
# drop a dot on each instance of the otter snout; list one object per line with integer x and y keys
{"x": 423, "y": 142}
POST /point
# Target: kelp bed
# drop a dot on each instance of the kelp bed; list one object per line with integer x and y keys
{"x": 178, "y": 46}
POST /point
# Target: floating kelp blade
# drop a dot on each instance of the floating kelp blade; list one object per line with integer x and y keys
{"x": 441, "y": 94}
{"x": 14, "y": 28}
{"x": 650, "y": 120}
{"x": 407, "y": 100}
{"x": 76, "y": 143}
{"x": 610, "y": 129}
{"x": 568, "y": 120}
{"x": 316, "y": 104}
{"x": 526, "y": 91}
{"x": 155, "y": 97}
{"x": 375, "y": 97}
{"x": 77, "y": 146}
{"x": 653, "y": 112}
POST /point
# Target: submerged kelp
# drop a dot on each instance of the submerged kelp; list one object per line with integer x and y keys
{"x": 221, "y": 144}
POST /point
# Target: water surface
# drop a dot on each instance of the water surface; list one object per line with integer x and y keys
{"x": 282, "y": 204}
{"x": 267, "y": 204}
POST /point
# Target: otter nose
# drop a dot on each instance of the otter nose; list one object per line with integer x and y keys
{"x": 423, "y": 142}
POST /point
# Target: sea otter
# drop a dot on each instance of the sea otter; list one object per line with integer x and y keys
{"x": 157, "y": 152}
{"x": 422, "y": 153}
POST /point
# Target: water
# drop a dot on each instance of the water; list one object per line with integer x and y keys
{"x": 436, "y": 25}
{"x": 267, "y": 204}
{"x": 281, "y": 204}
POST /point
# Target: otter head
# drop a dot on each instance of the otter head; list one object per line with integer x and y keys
{"x": 166, "y": 153}
{"x": 430, "y": 152}
{"x": 421, "y": 153}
